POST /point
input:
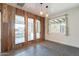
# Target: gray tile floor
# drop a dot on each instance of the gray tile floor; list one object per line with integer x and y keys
{"x": 45, "y": 48}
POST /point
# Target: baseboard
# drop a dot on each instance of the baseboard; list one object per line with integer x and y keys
{"x": 62, "y": 44}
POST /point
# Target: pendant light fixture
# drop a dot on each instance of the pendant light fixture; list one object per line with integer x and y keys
{"x": 46, "y": 11}
{"x": 41, "y": 12}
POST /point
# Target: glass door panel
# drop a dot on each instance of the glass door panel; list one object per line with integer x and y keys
{"x": 19, "y": 29}
{"x": 37, "y": 29}
{"x": 30, "y": 29}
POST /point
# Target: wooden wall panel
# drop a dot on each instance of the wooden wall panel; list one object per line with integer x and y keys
{"x": 35, "y": 18}
{"x": 42, "y": 29}
{"x": 4, "y": 13}
{"x": 12, "y": 26}
{"x": 11, "y": 17}
{"x": 4, "y": 28}
{"x": 4, "y": 37}
{"x": 7, "y": 19}
{"x": 26, "y": 28}
{"x": 30, "y": 15}
{"x": 0, "y": 6}
{"x": 20, "y": 12}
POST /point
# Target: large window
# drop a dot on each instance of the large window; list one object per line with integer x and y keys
{"x": 30, "y": 29}
{"x": 19, "y": 29}
{"x": 37, "y": 29}
{"x": 58, "y": 25}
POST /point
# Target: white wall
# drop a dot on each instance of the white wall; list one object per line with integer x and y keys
{"x": 0, "y": 31}
{"x": 73, "y": 23}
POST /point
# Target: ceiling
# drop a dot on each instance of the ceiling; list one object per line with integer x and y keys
{"x": 53, "y": 8}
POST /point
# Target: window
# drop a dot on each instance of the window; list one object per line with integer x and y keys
{"x": 19, "y": 29}
{"x": 30, "y": 29}
{"x": 37, "y": 29}
{"x": 58, "y": 25}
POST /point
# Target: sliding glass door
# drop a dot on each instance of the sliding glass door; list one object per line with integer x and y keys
{"x": 19, "y": 29}
{"x": 30, "y": 29}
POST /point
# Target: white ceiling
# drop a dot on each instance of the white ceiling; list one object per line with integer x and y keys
{"x": 53, "y": 8}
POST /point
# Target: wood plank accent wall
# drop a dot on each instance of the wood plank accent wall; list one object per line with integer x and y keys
{"x": 0, "y": 27}
{"x": 11, "y": 25}
{"x": 20, "y": 12}
{"x": 26, "y": 27}
{"x": 42, "y": 29}
{"x": 0, "y": 6}
{"x": 35, "y": 29}
{"x": 4, "y": 27}
{"x": 8, "y": 15}
{"x": 8, "y": 27}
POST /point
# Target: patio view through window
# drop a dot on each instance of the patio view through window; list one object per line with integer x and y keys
{"x": 58, "y": 25}
{"x": 30, "y": 29}
{"x": 19, "y": 29}
{"x": 37, "y": 29}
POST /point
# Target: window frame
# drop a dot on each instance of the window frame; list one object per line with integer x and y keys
{"x": 66, "y": 24}
{"x": 24, "y": 28}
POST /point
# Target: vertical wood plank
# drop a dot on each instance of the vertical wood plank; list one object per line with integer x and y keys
{"x": 35, "y": 29}
{"x": 26, "y": 28}
{"x": 11, "y": 17}
{"x": 4, "y": 28}
{"x": 42, "y": 29}
{"x": 0, "y": 6}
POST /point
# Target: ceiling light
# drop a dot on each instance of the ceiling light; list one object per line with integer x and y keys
{"x": 46, "y": 15}
{"x": 46, "y": 11}
{"x": 56, "y": 20}
{"x": 41, "y": 12}
{"x": 61, "y": 19}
